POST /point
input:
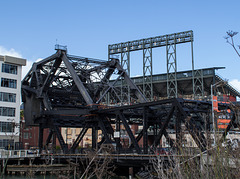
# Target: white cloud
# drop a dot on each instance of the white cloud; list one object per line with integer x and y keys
{"x": 39, "y": 59}
{"x": 137, "y": 75}
{"x": 11, "y": 52}
{"x": 236, "y": 84}
{"x": 14, "y": 53}
{"x": 26, "y": 68}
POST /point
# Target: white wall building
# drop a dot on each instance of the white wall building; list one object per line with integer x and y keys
{"x": 10, "y": 99}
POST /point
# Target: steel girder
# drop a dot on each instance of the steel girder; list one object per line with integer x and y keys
{"x": 62, "y": 90}
{"x": 172, "y": 90}
{"x": 69, "y": 91}
{"x": 125, "y": 63}
{"x": 169, "y": 116}
{"x": 147, "y": 44}
{"x": 147, "y": 72}
{"x": 198, "y": 84}
{"x": 62, "y": 81}
{"x": 158, "y": 41}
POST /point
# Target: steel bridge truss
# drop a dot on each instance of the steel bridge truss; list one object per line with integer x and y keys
{"x": 63, "y": 80}
{"x": 70, "y": 91}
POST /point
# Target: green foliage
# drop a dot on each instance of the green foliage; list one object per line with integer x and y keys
{"x": 58, "y": 147}
{"x": 21, "y": 114}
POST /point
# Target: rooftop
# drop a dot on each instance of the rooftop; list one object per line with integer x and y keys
{"x": 13, "y": 60}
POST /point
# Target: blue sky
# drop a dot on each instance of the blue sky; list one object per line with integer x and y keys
{"x": 30, "y": 29}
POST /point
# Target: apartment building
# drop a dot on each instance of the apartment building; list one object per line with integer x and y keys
{"x": 71, "y": 134}
{"x": 10, "y": 100}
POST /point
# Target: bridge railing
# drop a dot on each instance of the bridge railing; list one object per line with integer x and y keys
{"x": 4, "y": 154}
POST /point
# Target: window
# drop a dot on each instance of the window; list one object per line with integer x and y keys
{"x": 6, "y": 127}
{"x": 4, "y": 143}
{"x": 25, "y": 135}
{"x": 69, "y": 131}
{"x": 6, "y": 111}
{"x": 7, "y": 68}
{"x": 10, "y": 83}
{"x": 8, "y": 97}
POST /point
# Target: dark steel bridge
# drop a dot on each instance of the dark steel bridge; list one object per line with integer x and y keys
{"x": 70, "y": 91}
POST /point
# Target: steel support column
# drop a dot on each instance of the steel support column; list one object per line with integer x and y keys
{"x": 54, "y": 141}
{"x": 207, "y": 130}
{"x": 94, "y": 138}
{"x": 118, "y": 139}
{"x": 40, "y": 137}
{"x": 198, "y": 91}
{"x": 147, "y": 71}
{"x": 125, "y": 63}
{"x": 178, "y": 129}
{"x": 193, "y": 73}
{"x": 145, "y": 130}
{"x": 172, "y": 90}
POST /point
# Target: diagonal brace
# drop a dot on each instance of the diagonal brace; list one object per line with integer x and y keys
{"x": 124, "y": 121}
{"x": 60, "y": 139}
{"x": 79, "y": 138}
{"x": 132, "y": 85}
{"x": 50, "y": 76}
{"x": 49, "y": 137}
{"x": 77, "y": 80}
{"x": 164, "y": 126}
{"x": 198, "y": 137}
{"x": 169, "y": 139}
{"x": 104, "y": 130}
{"x": 228, "y": 128}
